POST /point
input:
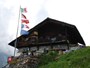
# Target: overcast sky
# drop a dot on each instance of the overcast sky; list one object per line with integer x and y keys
{"x": 75, "y": 12}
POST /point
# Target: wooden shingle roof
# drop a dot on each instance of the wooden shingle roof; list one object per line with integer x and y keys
{"x": 70, "y": 30}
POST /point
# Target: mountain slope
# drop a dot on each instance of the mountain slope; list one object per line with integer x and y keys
{"x": 76, "y": 59}
{"x": 3, "y": 59}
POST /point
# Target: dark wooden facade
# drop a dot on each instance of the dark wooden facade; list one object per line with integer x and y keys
{"x": 51, "y": 33}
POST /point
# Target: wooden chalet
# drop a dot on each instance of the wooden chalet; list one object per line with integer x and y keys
{"x": 50, "y": 34}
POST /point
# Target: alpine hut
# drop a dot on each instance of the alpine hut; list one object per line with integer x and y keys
{"x": 50, "y": 34}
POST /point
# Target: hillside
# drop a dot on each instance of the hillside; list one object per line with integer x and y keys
{"x": 75, "y": 59}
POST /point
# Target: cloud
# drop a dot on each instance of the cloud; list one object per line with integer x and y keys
{"x": 5, "y": 16}
{"x": 41, "y": 15}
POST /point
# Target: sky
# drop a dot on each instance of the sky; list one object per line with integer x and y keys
{"x": 76, "y": 12}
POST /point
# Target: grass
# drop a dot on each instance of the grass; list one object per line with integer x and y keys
{"x": 75, "y": 59}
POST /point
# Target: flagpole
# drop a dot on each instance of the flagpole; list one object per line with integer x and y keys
{"x": 17, "y": 32}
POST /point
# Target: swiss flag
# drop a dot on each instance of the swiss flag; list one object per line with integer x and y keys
{"x": 9, "y": 59}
